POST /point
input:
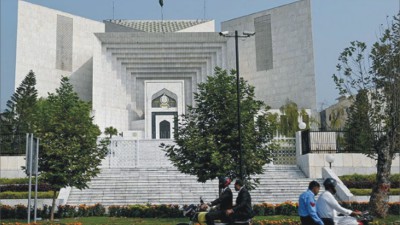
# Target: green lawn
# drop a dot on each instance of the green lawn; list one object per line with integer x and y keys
{"x": 148, "y": 221}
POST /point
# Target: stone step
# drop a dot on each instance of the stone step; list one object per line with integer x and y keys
{"x": 126, "y": 186}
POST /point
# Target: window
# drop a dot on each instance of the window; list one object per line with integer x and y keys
{"x": 163, "y": 101}
{"x": 165, "y": 130}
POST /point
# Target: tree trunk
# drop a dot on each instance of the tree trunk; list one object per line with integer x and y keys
{"x": 380, "y": 193}
{"x": 53, "y": 205}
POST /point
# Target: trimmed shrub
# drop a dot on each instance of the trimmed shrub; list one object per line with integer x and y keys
{"x": 276, "y": 222}
{"x": 394, "y": 208}
{"x": 286, "y": 208}
{"x": 367, "y": 181}
{"x": 259, "y": 210}
{"x": 360, "y": 206}
{"x": 65, "y": 211}
{"x": 24, "y": 187}
{"x": 145, "y": 211}
{"x": 168, "y": 211}
{"x": 359, "y": 184}
{"x": 83, "y": 210}
{"x": 367, "y": 192}
{"x": 21, "y": 212}
{"x": 14, "y": 180}
{"x": 24, "y": 195}
{"x": 7, "y": 211}
{"x": 97, "y": 210}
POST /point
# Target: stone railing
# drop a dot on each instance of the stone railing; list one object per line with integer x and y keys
{"x": 136, "y": 154}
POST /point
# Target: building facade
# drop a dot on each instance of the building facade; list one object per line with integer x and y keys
{"x": 140, "y": 74}
{"x": 335, "y": 116}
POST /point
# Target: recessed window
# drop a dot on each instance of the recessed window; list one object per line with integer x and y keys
{"x": 165, "y": 130}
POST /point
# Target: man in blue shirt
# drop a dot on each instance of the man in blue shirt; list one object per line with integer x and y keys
{"x": 307, "y": 205}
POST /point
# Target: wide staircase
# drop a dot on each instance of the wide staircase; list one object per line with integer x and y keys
{"x": 126, "y": 186}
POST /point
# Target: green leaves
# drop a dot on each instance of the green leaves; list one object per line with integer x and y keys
{"x": 110, "y": 131}
{"x": 207, "y": 137}
{"x": 69, "y": 150}
{"x": 373, "y": 80}
{"x": 17, "y": 119}
{"x": 19, "y": 114}
{"x": 70, "y": 153}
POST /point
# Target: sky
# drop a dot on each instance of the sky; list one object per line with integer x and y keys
{"x": 335, "y": 24}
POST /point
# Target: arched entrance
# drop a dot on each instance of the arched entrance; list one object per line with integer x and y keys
{"x": 165, "y": 130}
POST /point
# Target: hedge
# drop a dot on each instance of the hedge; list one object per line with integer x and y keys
{"x": 164, "y": 211}
{"x": 394, "y": 207}
{"x": 65, "y": 211}
{"x": 24, "y": 195}
{"x": 266, "y": 209}
{"x": 367, "y": 181}
{"x": 289, "y": 208}
{"x": 24, "y": 187}
{"x": 146, "y": 211}
{"x": 277, "y": 222}
{"x": 68, "y": 211}
{"x": 15, "y": 180}
{"x": 367, "y": 192}
{"x": 44, "y": 223}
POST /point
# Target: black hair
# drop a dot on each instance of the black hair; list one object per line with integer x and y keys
{"x": 313, "y": 184}
{"x": 239, "y": 182}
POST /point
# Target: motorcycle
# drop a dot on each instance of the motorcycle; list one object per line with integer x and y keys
{"x": 197, "y": 215}
{"x": 364, "y": 219}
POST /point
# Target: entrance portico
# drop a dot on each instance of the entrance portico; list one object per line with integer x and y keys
{"x": 164, "y": 99}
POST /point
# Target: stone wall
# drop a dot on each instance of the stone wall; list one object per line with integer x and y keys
{"x": 123, "y": 62}
{"x": 10, "y": 166}
{"x": 40, "y": 202}
{"x": 344, "y": 163}
{"x": 279, "y": 59}
{"x": 54, "y": 44}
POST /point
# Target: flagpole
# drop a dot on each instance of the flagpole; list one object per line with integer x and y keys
{"x": 204, "y": 16}
{"x": 162, "y": 15}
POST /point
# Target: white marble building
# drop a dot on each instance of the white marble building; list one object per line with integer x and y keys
{"x": 140, "y": 74}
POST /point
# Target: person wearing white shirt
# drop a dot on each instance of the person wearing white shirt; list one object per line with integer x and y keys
{"x": 327, "y": 205}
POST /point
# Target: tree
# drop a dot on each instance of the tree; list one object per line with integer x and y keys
{"x": 69, "y": 151}
{"x": 289, "y": 120}
{"x": 17, "y": 119}
{"x": 380, "y": 78}
{"x": 206, "y": 139}
{"x": 359, "y": 133}
{"x": 110, "y": 131}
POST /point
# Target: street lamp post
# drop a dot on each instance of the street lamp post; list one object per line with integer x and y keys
{"x": 236, "y": 36}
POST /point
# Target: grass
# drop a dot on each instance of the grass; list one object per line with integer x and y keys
{"x": 367, "y": 192}
{"x": 154, "y": 221}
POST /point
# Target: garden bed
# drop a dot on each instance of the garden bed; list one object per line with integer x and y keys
{"x": 18, "y": 188}
{"x": 258, "y": 220}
